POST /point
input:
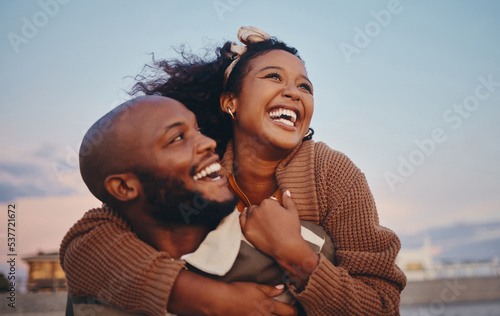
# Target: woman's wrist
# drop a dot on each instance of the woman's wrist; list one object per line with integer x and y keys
{"x": 298, "y": 262}
{"x": 196, "y": 295}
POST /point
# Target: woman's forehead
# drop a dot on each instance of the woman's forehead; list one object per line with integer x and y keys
{"x": 277, "y": 58}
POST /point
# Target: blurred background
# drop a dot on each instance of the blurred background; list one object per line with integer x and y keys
{"x": 409, "y": 90}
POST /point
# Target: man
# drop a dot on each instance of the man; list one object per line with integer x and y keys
{"x": 147, "y": 160}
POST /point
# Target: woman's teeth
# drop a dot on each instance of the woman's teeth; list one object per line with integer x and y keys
{"x": 287, "y": 122}
{"x": 284, "y": 116}
{"x": 207, "y": 171}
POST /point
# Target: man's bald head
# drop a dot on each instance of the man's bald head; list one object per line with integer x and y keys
{"x": 113, "y": 144}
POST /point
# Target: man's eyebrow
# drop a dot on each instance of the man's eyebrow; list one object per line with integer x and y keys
{"x": 281, "y": 68}
{"x": 173, "y": 125}
{"x": 169, "y": 127}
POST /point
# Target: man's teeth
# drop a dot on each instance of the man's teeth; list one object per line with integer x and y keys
{"x": 208, "y": 170}
{"x": 285, "y": 116}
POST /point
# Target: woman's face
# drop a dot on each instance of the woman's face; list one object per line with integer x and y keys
{"x": 276, "y": 102}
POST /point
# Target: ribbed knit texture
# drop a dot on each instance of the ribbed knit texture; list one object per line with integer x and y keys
{"x": 104, "y": 260}
{"x": 329, "y": 190}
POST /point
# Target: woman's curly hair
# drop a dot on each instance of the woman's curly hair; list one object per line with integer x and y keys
{"x": 198, "y": 83}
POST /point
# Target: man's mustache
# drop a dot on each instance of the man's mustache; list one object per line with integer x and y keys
{"x": 194, "y": 169}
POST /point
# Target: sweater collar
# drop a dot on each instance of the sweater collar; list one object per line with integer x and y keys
{"x": 295, "y": 173}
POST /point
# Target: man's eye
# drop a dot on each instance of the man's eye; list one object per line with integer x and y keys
{"x": 178, "y": 138}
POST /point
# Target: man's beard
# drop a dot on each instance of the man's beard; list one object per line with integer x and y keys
{"x": 172, "y": 203}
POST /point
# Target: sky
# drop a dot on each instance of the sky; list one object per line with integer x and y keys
{"x": 409, "y": 90}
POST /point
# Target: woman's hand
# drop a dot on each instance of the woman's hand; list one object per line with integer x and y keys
{"x": 271, "y": 227}
{"x": 194, "y": 294}
{"x": 275, "y": 230}
{"x": 256, "y": 299}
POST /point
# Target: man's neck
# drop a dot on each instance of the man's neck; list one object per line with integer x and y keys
{"x": 177, "y": 240}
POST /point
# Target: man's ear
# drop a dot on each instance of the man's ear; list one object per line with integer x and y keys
{"x": 227, "y": 101}
{"x": 124, "y": 186}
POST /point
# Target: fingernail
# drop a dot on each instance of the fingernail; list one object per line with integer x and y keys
{"x": 245, "y": 209}
{"x": 288, "y": 193}
{"x": 280, "y": 286}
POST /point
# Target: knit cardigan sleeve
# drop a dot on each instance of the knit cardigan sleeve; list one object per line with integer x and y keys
{"x": 365, "y": 279}
{"x": 104, "y": 260}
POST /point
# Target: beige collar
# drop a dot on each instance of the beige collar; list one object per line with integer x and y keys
{"x": 217, "y": 253}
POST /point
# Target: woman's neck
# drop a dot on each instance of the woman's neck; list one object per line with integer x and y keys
{"x": 254, "y": 171}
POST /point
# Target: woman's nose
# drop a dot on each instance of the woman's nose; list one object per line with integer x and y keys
{"x": 292, "y": 92}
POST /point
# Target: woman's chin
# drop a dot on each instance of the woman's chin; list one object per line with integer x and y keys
{"x": 284, "y": 143}
{"x": 271, "y": 140}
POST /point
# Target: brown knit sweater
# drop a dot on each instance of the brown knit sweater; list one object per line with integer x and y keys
{"x": 103, "y": 259}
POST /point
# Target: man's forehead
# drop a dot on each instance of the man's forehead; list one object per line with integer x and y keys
{"x": 161, "y": 118}
{"x": 176, "y": 113}
{"x": 147, "y": 118}
{"x": 160, "y": 108}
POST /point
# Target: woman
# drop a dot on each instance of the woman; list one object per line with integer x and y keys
{"x": 267, "y": 104}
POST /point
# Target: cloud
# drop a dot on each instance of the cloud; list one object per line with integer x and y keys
{"x": 44, "y": 171}
{"x": 9, "y": 191}
{"x": 19, "y": 169}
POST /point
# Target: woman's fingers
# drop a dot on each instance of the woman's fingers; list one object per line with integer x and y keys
{"x": 272, "y": 290}
{"x": 275, "y": 307}
{"x": 284, "y": 309}
{"x": 245, "y": 215}
{"x": 288, "y": 202}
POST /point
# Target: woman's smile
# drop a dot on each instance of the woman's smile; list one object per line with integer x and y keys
{"x": 283, "y": 116}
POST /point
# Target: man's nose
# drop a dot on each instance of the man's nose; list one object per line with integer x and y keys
{"x": 205, "y": 143}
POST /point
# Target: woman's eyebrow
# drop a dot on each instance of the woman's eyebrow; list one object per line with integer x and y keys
{"x": 281, "y": 68}
{"x": 271, "y": 67}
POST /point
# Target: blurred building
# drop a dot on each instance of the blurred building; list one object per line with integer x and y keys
{"x": 418, "y": 264}
{"x": 45, "y": 273}
{"x": 444, "y": 282}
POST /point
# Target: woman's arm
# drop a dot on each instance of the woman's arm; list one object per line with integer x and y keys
{"x": 365, "y": 280}
{"x": 196, "y": 295}
{"x": 104, "y": 260}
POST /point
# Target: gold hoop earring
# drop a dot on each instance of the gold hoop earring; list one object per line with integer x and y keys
{"x": 230, "y": 113}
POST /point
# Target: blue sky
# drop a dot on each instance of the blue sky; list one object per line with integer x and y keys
{"x": 410, "y": 90}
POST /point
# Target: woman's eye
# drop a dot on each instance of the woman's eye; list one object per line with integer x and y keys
{"x": 306, "y": 87}
{"x": 274, "y": 76}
